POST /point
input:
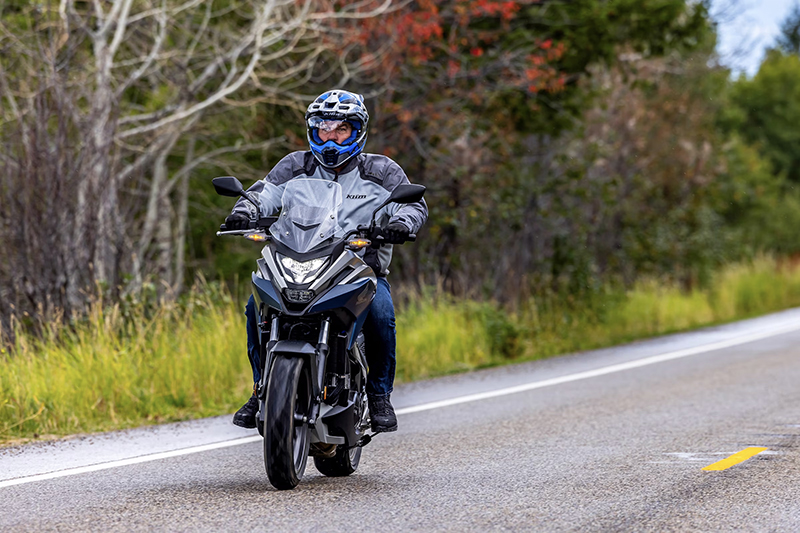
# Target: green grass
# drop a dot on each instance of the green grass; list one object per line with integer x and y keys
{"x": 428, "y": 332}
{"x": 123, "y": 367}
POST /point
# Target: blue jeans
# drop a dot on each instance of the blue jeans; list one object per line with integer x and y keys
{"x": 380, "y": 337}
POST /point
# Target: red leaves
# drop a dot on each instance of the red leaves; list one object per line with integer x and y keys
{"x": 505, "y": 10}
{"x": 441, "y": 40}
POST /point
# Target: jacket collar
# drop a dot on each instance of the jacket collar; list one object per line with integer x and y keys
{"x": 353, "y": 163}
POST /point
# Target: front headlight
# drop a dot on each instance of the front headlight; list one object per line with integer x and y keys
{"x": 302, "y": 271}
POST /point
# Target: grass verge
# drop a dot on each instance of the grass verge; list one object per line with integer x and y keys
{"x": 437, "y": 335}
{"x": 122, "y": 367}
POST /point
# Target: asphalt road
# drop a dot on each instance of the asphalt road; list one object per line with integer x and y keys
{"x": 610, "y": 440}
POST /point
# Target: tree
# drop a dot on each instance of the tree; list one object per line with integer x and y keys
{"x": 105, "y": 108}
{"x": 766, "y": 111}
{"x": 789, "y": 39}
{"x": 487, "y": 81}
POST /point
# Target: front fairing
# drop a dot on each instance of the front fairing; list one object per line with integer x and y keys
{"x": 346, "y": 284}
{"x": 309, "y": 215}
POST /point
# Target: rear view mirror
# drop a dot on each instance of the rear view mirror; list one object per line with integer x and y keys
{"x": 407, "y": 193}
{"x": 228, "y": 186}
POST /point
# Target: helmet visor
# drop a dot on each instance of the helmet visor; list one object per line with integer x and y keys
{"x": 327, "y": 124}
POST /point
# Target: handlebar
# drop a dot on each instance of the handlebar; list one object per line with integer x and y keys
{"x": 375, "y": 234}
{"x": 263, "y": 224}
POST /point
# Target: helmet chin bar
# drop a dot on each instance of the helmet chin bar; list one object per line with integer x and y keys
{"x": 332, "y": 154}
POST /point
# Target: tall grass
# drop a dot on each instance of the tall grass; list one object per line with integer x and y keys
{"x": 552, "y": 324}
{"x": 122, "y": 367}
{"x": 133, "y": 365}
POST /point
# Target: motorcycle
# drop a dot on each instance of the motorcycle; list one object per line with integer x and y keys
{"x": 312, "y": 292}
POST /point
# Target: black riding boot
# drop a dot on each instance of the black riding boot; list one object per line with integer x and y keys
{"x": 381, "y": 413}
{"x": 246, "y": 416}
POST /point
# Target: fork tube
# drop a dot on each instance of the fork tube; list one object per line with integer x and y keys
{"x": 323, "y": 332}
{"x": 321, "y": 356}
{"x": 273, "y": 339}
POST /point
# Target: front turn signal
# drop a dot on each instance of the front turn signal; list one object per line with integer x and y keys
{"x": 357, "y": 244}
{"x": 256, "y": 237}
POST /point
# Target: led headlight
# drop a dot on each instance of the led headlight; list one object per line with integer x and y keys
{"x": 298, "y": 296}
{"x": 302, "y": 271}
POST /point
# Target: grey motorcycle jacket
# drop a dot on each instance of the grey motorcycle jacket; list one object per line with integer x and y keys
{"x": 367, "y": 181}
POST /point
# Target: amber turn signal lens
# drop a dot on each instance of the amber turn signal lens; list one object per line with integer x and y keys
{"x": 357, "y": 244}
{"x": 256, "y": 237}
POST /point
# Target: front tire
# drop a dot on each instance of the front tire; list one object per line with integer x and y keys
{"x": 286, "y": 434}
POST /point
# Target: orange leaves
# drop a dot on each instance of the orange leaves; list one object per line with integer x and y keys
{"x": 505, "y": 10}
{"x": 539, "y": 74}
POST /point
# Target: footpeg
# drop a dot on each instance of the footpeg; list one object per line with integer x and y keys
{"x": 363, "y": 441}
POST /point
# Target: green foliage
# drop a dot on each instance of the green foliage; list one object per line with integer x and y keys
{"x": 789, "y": 38}
{"x": 766, "y": 112}
{"x": 761, "y": 209}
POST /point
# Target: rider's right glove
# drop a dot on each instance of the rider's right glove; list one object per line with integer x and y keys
{"x": 237, "y": 221}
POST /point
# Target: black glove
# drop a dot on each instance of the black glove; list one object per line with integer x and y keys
{"x": 237, "y": 221}
{"x": 395, "y": 233}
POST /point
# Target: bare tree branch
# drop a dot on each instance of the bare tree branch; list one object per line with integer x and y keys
{"x": 162, "y": 33}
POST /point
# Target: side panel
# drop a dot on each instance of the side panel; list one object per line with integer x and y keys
{"x": 354, "y": 297}
{"x": 263, "y": 291}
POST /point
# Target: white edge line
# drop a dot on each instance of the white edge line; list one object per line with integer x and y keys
{"x": 601, "y": 371}
{"x": 131, "y": 461}
{"x": 744, "y": 339}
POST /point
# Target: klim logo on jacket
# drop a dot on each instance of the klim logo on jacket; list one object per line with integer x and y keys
{"x": 356, "y": 196}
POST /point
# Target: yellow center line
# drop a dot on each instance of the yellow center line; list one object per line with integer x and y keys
{"x": 735, "y": 459}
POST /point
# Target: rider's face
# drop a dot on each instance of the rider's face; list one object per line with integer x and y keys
{"x": 338, "y": 135}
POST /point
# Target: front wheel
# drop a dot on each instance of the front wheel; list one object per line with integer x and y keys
{"x": 286, "y": 438}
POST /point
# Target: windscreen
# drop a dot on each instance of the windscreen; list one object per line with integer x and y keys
{"x": 309, "y": 214}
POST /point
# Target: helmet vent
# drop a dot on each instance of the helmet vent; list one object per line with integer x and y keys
{"x": 330, "y": 156}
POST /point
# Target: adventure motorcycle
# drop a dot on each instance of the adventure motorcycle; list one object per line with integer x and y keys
{"x": 312, "y": 292}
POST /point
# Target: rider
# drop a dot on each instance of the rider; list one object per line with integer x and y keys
{"x": 336, "y": 123}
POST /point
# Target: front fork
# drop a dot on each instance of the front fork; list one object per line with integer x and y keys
{"x": 316, "y": 364}
{"x": 266, "y": 355}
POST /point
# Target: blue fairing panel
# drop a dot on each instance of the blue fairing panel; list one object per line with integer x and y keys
{"x": 357, "y": 328}
{"x": 263, "y": 291}
{"x": 355, "y": 297}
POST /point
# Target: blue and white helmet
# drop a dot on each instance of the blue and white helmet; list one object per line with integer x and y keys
{"x": 337, "y": 104}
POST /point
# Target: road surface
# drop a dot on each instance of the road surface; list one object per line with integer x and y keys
{"x": 610, "y": 440}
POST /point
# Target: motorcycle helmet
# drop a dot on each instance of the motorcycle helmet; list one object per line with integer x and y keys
{"x": 337, "y": 105}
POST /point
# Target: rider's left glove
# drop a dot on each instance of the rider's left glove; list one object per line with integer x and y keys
{"x": 395, "y": 233}
{"x": 237, "y": 221}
